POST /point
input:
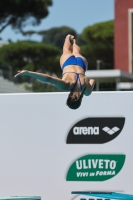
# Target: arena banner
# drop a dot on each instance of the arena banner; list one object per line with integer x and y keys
{"x": 49, "y": 150}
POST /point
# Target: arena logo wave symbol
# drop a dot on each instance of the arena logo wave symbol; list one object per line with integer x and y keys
{"x": 95, "y": 130}
{"x": 110, "y": 131}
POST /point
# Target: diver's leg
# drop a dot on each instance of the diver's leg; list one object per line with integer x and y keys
{"x": 76, "y": 48}
{"x": 68, "y": 44}
{"x": 67, "y": 47}
{"x": 77, "y": 52}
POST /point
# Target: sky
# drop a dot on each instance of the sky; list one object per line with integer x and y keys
{"x": 75, "y": 14}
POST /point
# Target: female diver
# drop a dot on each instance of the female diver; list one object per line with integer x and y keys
{"x": 74, "y": 66}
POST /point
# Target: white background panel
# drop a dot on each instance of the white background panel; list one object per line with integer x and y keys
{"x": 34, "y": 156}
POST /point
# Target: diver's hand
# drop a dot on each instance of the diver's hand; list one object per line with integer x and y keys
{"x": 21, "y": 73}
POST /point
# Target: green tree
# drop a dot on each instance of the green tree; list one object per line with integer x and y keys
{"x": 99, "y": 44}
{"x": 56, "y": 36}
{"x": 31, "y": 56}
{"x": 28, "y": 33}
{"x": 18, "y": 13}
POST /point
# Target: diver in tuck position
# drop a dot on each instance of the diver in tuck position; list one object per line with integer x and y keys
{"x": 74, "y": 66}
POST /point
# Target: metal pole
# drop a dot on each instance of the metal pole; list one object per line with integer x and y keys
{"x": 98, "y": 68}
{"x": 117, "y": 81}
{"x": 98, "y": 64}
{"x": 97, "y": 86}
{"x": 10, "y": 72}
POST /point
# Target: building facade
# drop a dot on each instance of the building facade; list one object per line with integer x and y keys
{"x": 123, "y": 38}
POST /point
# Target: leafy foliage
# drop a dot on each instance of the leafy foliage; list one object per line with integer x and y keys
{"x": 31, "y": 56}
{"x": 28, "y": 33}
{"x": 17, "y": 12}
{"x": 44, "y": 87}
{"x": 100, "y": 44}
{"x": 100, "y": 32}
{"x": 56, "y": 36}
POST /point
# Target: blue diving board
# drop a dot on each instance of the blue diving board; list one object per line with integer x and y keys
{"x": 109, "y": 195}
{"x": 21, "y": 198}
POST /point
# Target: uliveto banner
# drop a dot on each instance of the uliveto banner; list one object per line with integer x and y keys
{"x": 95, "y": 167}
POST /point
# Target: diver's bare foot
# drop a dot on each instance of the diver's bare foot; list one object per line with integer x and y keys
{"x": 71, "y": 37}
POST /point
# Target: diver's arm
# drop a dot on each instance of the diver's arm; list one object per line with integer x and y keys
{"x": 89, "y": 87}
{"x": 59, "y": 83}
